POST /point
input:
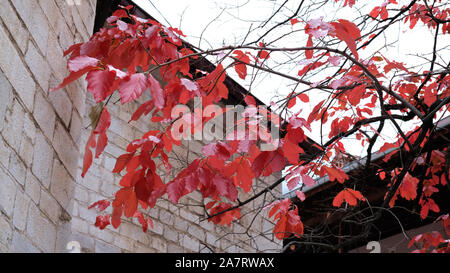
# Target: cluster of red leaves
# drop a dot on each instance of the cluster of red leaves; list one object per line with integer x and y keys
{"x": 98, "y": 144}
{"x": 288, "y": 222}
{"x": 408, "y": 188}
{"x": 125, "y": 57}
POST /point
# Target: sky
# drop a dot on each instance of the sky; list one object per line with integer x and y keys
{"x": 211, "y": 24}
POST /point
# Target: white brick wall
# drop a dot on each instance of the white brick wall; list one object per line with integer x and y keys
{"x": 43, "y": 200}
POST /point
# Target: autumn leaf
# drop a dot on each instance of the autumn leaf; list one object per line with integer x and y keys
{"x": 132, "y": 87}
{"x": 81, "y": 63}
{"x": 347, "y": 195}
{"x": 408, "y": 187}
{"x": 240, "y": 67}
{"x": 335, "y": 173}
{"x": 348, "y": 32}
{"x": 101, "y": 204}
{"x": 99, "y": 83}
{"x": 309, "y": 52}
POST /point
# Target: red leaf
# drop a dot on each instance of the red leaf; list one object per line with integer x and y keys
{"x": 104, "y": 122}
{"x": 175, "y": 190}
{"x": 309, "y": 52}
{"x": 126, "y": 198}
{"x": 354, "y": 96}
{"x": 102, "y": 221}
{"x": 102, "y": 141}
{"x": 294, "y": 21}
{"x": 102, "y": 205}
{"x": 375, "y": 12}
{"x": 224, "y": 218}
{"x": 219, "y": 149}
{"x": 308, "y": 181}
{"x": 348, "y": 195}
{"x": 408, "y": 188}
{"x": 99, "y": 83}
{"x": 300, "y": 195}
{"x": 348, "y": 32}
{"x": 73, "y": 76}
{"x": 250, "y": 100}
{"x": 303, "y": 97}
{"x": 121, "y": 162}
{"x": 157, "y": 92}
{"x": 335, "y": 173}
{"x": 87, "y": 160}
{"x": 133, "y": 87}
{"x": 81, "y": 63}
{"x": 240, "y": 67}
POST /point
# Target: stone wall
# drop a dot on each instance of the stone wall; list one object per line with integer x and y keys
{"x": 43, "y": 199}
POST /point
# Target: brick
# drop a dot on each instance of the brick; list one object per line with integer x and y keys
{"x": 5, "y": 98}
{"x": 13, "y": 67}
{"x": 55, "y": 57}
{"x": 40, "y": 230}
{"x": 77, "y": 97}
{"x": 26, "y": 151}
{"x": 62, "y": 185}
{"x": 124, "y": 243}
{"x": 196, "y": 232}
{"x": 29, "y": 128}
{"x": 91, "y": 180}
{"x": 79, "y": 24}
{"x": 158, "y": 227}
{"x": 189, "y": 216}
{"x": 35, "y": 21}
{"x": 173, "y": 248}
{"x": 5, "y": 153}
{"x": 81, "y": 194}
{"x": 104, "y": 235}
{"x": 17, "y": 169}
{"x": 181, "y": 224}
{"x": 87, "y": 15}
{"x": 212, "y": 239}
{"x": 38, "y": 66}
{"x": 134, "y": 232}
{"x": 87, "y": 214}
{"x": 66, "y": 149}
{"x": 166, "y": 217}
{"x": 42, "y": 161}
{"x": 5, "y": 231}
{"x": 170, "y": 234}
{"x": 64, "y": 7}
{"x": 63, "y": 105}
{"x": 101, "y": 247}
{"x": 158, "y": 244}
{"x": 14, "y": 127}
{"x": 21, "y": 210}
{"x": 76, "y": 127}
{"x": 7, "y": 193}
{"x": 190, "y": 243}
{"x": 121, "y": 128}
{"x": 32, "y": 187}
{"x": 80, "y": 225}
{"x": 21, "y": 244}
{"x": 50, "y": 10}
{"x": 12, "y": 22}
{"x": 65, "y": 236}
{"x": 49, "y": 206}
{"x": 44, "y": 115}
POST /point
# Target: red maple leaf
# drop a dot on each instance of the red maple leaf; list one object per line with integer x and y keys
{"x": 335, "y": 173}
{"x": 348, "y": 195}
